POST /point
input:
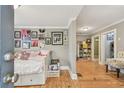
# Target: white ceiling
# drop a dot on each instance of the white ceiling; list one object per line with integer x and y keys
{"x": 93, "y": 16}
{"x": 46, "y": 15}
{"x": 99, "y": 16}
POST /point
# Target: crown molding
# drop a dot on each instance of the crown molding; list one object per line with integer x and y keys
{"x": 114, "y": 23}
{"x": 46, "y": 27}
{"x": 81, "y": 34}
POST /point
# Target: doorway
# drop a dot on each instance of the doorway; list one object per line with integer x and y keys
{"x": 108, "y": 45}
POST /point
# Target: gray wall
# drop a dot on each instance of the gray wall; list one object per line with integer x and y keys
{"x": 82, "y": 37}
{"x": 58, "y": 51}
{"x": 120, "y": 34}
{"x": 6, "y": 41}
{"x": 72, "y": 46}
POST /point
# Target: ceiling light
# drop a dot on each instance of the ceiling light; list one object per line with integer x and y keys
{"x": 84, "y": 28}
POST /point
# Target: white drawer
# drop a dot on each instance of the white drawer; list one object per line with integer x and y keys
{"x": 32, "y": 79}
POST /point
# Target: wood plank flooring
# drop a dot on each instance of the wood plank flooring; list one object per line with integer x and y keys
{"x": 90, "y": 75}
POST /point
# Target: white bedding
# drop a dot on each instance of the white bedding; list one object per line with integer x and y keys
{"x": 31, "y": 66}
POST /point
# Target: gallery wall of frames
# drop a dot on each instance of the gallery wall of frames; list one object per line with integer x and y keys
{"x": 39, "y": 38}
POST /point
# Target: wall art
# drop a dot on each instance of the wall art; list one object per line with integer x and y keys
{"x": 17, "y": 43}
{"x": 34, "y": 43}
{"x": 57, "y": 38}
{"x": 34, "y": 34}
{"x": 26, "y": 45}
{"x": 17, "y": 34}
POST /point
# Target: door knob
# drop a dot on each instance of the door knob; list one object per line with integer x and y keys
{"x": 9, "y": 56}
{"x": 9, "y": 78}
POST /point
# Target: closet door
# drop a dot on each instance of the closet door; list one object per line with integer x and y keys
{"x": 6, "y": 42}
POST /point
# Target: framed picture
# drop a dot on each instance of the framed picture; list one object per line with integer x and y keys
{"x": 34, "y": 34}
{"x": 34, "y": 43}
{"x": 53, "y": 67}
{"x": 57, "y": 38}
{"x": 17, "y": 34}
{"x": 41, "y": 36}
{"x": 26, "y": 45}
{"x": 47, "y": 40}
{"x": 17, "y": 43}
{"x": 26, "y": 35}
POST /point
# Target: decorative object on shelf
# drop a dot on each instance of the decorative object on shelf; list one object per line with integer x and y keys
{"x": 34, "y": 43}
{"x": 41, "y": 30}
{"x": 17, "y": 43}
{"x": 26, "y": 45}
{"x": 26, "y": 35}
{"x": 57, "y": 38}
{"x": 47, "y": 40}
{"x": 17, "y": 35}
{"x": 85, "y": 49}
{"x": 34, "y": 34}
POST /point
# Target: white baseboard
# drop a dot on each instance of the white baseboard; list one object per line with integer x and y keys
{"x": 72, "y": 75}
{"x": 64, "y": 68}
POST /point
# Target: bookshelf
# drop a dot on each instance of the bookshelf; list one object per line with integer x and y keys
{"x": 85, "y": 49}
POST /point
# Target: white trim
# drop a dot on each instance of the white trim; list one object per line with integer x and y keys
{"x": 114, "y": 23}
{"x": 64, "y": 68}
{"x": 103, "y": 46}
{"x": 70, "y": 21}
{"x": 72, "y": 75}
{"x": 81, "y": 34}
{"x": 46, "y": 27}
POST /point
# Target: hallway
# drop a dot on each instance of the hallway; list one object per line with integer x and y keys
{"x": 90, "y": 75}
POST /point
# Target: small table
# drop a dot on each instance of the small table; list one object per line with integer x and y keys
{"x": 54, "y": 68}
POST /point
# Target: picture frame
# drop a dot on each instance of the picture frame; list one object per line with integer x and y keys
{"x": 34, "y": 43}
{"x": 41, "y": 36}
{"x": 53, "y": 67}
{"x": 26, "y": 45}
{"x": 26, "y": 35}
{"x": 57, "y": 38}
{"x": 17, "y": 34}
{"x": 48, "y": 40}
{"x": 17, "y": 43}
{"x": 34, "y": 34}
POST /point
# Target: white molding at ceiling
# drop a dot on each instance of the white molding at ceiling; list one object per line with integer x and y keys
{"x": 114, "y": 23}
{"x": 46, "y": 27}
{"x": 74, "y": 18}
{"x": 70, "y": 21}
{"x": 81, "y": 34}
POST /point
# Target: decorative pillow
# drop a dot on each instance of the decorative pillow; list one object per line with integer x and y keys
{"x": 17, "y": 55}
{"x": 43, "y": 52}
{"x": 24, "y": 55}
{"x": 34, "y": 53}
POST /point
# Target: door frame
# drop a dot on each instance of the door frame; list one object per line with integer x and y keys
{"x": 103, "y": 44}
{"x": 92, "y": 46}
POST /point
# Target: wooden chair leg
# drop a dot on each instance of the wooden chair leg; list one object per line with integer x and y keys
{"x": 106, "y": 68}
{"x": 118, "y": 72}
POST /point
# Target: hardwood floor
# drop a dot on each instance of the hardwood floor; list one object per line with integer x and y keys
{"x": 90, "y": 75}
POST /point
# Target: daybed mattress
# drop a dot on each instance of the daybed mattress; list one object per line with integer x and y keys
{"x": 31, "y": 66}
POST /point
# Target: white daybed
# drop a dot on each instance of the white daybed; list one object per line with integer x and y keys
{"x": 32, "y": 71}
